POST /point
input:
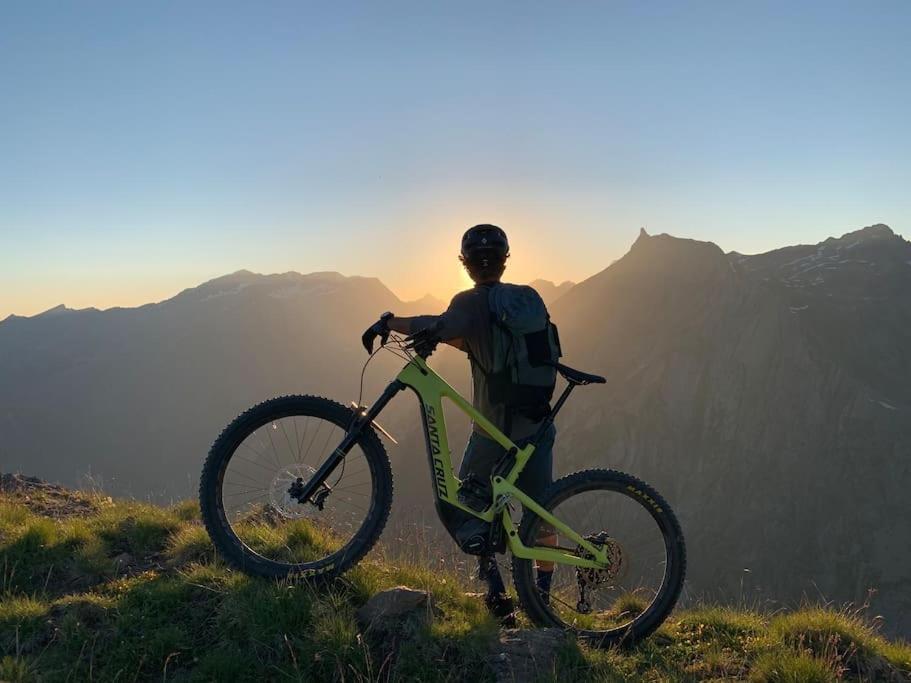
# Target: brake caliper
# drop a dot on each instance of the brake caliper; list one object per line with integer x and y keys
{"x": 286, "y": 492}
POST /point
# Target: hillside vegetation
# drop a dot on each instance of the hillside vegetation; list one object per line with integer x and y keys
{"x": 98, "y": 589}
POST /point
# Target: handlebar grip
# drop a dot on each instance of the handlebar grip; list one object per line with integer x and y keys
{"x": 378, "y": 329}
{"x": 368, "y": 338}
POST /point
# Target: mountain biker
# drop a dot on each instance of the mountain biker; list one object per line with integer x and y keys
{"x": 467, "y": 325}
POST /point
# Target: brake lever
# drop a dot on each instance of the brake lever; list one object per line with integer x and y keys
{"x": 413, "y": 342}
{"x": 425, "y": 341}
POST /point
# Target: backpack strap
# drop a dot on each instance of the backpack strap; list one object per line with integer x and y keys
{"x": 508, "y": 410}
{"x": 493, "y": 320}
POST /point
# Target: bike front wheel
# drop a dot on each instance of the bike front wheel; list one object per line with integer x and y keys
{"x": 629, "y": 599}
{"x": 246, "y": 491}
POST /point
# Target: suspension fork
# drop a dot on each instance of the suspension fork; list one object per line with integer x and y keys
{"x": 354, "y": 432}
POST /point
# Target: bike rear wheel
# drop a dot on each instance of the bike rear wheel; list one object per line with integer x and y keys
{"x": 246, "y": 490}
{"x": 627, "y": 601}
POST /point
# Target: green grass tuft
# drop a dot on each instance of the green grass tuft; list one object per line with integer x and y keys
{"x": 898, "y": 654}
{"x": 136, "y": 528}
{"x": 16, "y": 669}
{"x": 185, "y": 511}
{"x": 189, "y": 544}
{"x": 783, "y": 666}
{"x": 843, "y": 634}
{"x": 819, "y": 629}
{"x": 22, "y": 623}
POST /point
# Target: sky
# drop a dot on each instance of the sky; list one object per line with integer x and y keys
{"x": 148, "y": 147}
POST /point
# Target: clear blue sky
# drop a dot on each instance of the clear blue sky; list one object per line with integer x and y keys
{"x": 147, "y": 146}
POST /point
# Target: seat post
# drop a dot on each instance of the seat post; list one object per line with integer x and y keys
{"x": 549, "y": 420}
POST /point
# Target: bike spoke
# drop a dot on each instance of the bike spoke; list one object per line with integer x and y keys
{"x": 312, "y": 439}
{"x": 287, "y": 440}
{"x": 256, "y": 492}
{"x": 609, "y": 598}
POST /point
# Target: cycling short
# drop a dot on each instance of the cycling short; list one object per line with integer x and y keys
{"x": 482, "y": 453}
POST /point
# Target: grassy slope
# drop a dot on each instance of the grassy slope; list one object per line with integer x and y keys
{"x": 95, "y": 589}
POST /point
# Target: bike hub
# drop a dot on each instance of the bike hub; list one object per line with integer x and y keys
{"x": 287, "y": 487}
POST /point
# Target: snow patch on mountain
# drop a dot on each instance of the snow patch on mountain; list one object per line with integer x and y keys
{"x": 226, "y": 292}
{"x": 293, "y": 291}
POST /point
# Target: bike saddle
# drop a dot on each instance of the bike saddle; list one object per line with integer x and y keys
{"x": 577, "y": 376}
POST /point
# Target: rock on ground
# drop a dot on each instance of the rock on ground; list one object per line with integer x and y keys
{"x": 50, "y": 500}
{"x": 395, "y": 604}
{"x": 520, "y": 655}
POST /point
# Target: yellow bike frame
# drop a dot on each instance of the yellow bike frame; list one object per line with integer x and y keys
{"x": 431, "y": 390}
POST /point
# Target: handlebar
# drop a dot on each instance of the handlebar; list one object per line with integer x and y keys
{"x": 370, "y": 336}
{"x": 423, "y": 343}
{"x": 378, "y": 329}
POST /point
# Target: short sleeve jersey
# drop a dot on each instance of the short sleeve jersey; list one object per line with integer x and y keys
{"x": 468, "y": 319}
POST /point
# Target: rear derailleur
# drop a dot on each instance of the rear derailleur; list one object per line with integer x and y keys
{"x": 589, "y": 578}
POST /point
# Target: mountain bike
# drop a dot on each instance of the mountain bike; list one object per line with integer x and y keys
{"x": 301, "y": 486}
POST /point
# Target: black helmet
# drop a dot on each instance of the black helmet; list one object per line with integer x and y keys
{"x": 487, "y": 240}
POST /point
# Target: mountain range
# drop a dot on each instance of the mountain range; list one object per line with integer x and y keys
{"x": 767, "y": 396}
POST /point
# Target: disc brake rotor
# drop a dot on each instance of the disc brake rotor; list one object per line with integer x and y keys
{"x": 589, "y": 578}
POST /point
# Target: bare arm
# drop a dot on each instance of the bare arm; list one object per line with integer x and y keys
{"x": 417, "y": 323}
{"x": 400, "y": 325}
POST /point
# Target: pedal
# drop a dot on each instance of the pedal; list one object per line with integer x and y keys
{"x": 362, "y": 410}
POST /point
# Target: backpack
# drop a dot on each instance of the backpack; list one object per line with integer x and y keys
{"x": 525, "y": 347}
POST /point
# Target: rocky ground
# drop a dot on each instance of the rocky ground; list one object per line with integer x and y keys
{"x": 49, "y": 500}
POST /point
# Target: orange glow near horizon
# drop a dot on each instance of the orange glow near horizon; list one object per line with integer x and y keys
{"x": 412, "y": 262}
{"x": 93, "y": 293}
{"x": 440, "y": 277}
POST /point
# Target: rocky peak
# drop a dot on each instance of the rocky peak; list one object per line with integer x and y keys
{"x": 878, "y": 231}
{"x": 859, "y": 260}
{"x": 56, "y": 310}
{"x": 237, "y": 277}
{"x": 675, "y": 258}
{"x": 675, "y": 246}
{"x": 660, "y": 278}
